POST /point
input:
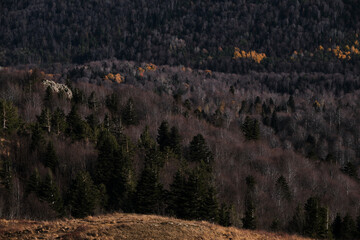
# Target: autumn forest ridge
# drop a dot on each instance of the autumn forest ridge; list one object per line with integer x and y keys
{"x": 239, "y": 113}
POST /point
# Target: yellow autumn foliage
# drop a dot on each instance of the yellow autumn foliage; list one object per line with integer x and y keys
{"x": 257, "y": 57}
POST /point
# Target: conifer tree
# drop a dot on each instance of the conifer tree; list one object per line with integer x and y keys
{"x": 199, "y": 151}
{"x": 9, "y": 119}
{"x": 224, "y": 215}
{"x": 33, "y": 184}
{"x": 316, "y": 219}
{"x": 282, "y": 188}
{"x": 336, "y": 226}
{"x": 274, "y": 122}
{"x": 296, "y": 224}
{"x": 50, "y": 193}
{"x": 129, "y": 115}
{"x": 163, "y": 138}
{"x": 6, "y": 172}
{"x": 45, "y": 120}
{"x": 83, "y": 196}
{"x": 37, "y": 138}
{"x": 58, "y": 121}
{"x": 50, "y": 159}
{"x": 48, "y": 99}
{"x": 176, "y": 202}
{"x": 76, "y": 127}
{"x": 175, "y": 141}
{"x": 148, "y": 195}
{"x": 291, "y": 103}
{"x": 348, "y": 228}
{"x": 249, "y": 220}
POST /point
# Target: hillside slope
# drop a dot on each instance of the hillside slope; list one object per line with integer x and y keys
{"x": 127, "y": 226}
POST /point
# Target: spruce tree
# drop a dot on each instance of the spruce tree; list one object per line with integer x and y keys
{"x": 48, "y": 99}
{"x": 49, "y": 192}
{"x": 249, "y": 220}
{"x": 348, "y": 228}
{"x": 224, "y": 215}
{"x": 129, "y": 115}
{"x": 282, "y": 188}
{"x": 176, "y": 202}
{"x": 199, "y": 151}
{"x": 33, "y": 183}
{"x": 50, "y": 159}
{"x": 76, "y": 127}
{"x": 83, "y": 196}
{"x": 163, "y": 138}
{"x": 336, "y": 227}
{"x": 45, "y": 120}
{"x": 37, "y": 138}
{"x": 148, "y": 197}
{"x": 58, "y": 121}
{"x": 9, "y": 119}
{"x": 296, "y": 224}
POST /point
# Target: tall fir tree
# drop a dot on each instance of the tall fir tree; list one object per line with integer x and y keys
{"x": 84, "y": 196}
{"x": 163, "y": 137}
{"x": 148, "y": 197}
{"x": 50, "y": 158}
{"x": 129, "y": 115}
{"x": 9, "y": 119}
{"x": 249, "y": 220}
{"x": 58, "y": 121}
{"x": 199, "y": 151}
{"x": 45, "y": 120}
{"x": 50, "y": 193}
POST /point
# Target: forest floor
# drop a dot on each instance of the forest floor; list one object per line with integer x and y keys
{"x": 128, "y": 226}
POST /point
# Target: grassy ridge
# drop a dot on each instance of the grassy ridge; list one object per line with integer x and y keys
{"x": 127, "y": 226}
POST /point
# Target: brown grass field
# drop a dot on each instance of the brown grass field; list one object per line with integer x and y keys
{"x": 128, "y": 226}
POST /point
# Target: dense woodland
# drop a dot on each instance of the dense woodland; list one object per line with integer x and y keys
{"x": 242, "y": 113}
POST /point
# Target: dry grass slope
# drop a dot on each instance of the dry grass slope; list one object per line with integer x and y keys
{"x": 128, "y": 226}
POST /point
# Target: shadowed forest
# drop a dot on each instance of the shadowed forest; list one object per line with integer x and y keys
{"x": 243, "y": 113}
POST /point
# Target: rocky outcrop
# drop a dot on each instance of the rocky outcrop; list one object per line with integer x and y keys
{"x": 58, "y": 87}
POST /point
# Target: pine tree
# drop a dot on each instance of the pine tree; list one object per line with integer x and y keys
{"x": 58, "y": 121}
{"x": 33, "y": 184}
{"x": 6, "y": 172}
{"x": 93, "y": 101}
{"x": 175, "y": 141}
{"x": 199, "y": 151}
{"x": 76, "y": 127}
{"x": 282, "y": 188}
{"x": 176, "y": 202}
{"x": 112, "y": 103}
{"x": 296, "y": 224}
{"x": 316, "y": 219}
{"x": 336, "y": 226}
{"x": 274, "y": 122}
{"x": 350, "y": 170}
{"x": 348, "y": 228}
{"x": 9, "y": 120}
{"x": 249, "y": 220}
{"x": 50, "y": 193}
{"x": 148, "y": 197}
{"x": 291, "y": 103}
{"x": 146, "y": 141}
{"x": 45, "y": 120}
{"x": 163, "y": 138}
{"x": 129, "y": 115}
{"x": 83, "y": 196}
{"x": 48, "y": 99}
{"x": 224, "y": 215}
{"x": 37, "y": 138}
{"x": 251, "y": 129}
{"x": 50, "y": 159}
